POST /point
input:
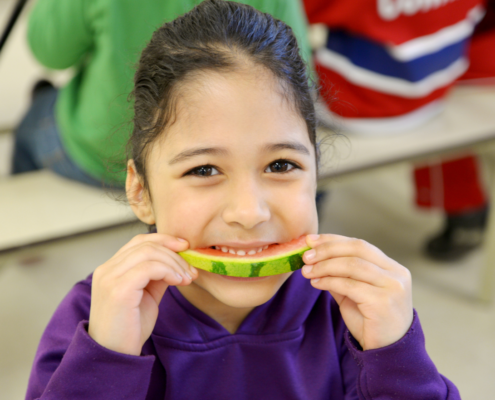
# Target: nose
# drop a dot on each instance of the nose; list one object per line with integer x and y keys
{"x": 246, "y": 205}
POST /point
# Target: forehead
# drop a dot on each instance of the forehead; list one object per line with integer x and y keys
{"x": 242, "y": 109}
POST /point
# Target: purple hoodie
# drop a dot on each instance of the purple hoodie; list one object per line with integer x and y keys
{"x": 295, "y": 346}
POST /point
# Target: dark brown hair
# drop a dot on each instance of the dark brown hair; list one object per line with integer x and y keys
{"x": 216, "y": 35}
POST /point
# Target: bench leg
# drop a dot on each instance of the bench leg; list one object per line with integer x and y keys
{"x": 487, "y": 279}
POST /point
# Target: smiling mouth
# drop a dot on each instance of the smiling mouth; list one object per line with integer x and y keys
{"x": 241, "y": 252}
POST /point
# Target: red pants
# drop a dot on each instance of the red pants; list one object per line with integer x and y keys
{"x": 454, "y": 186}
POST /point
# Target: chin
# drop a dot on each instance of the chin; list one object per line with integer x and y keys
{"x": 243, "y": 292}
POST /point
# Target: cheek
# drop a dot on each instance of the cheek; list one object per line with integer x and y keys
{"x": 299, "y": 206}
{"x": 183, "y": 212}
{"x": 305, "y": 214}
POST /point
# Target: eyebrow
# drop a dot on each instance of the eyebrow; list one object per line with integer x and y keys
{"x": 300, "y": 148}
{"x": 187, "y": 154}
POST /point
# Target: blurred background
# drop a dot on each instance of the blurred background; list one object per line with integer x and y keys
{"x": 409, "y": 170}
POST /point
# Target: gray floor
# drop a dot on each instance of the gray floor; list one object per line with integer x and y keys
{"x": 375, "y": 206}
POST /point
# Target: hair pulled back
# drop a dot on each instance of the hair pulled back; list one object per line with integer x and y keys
{"x": 215, "y": 35}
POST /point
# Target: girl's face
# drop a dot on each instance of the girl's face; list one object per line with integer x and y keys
{"x": 236, "y": 169}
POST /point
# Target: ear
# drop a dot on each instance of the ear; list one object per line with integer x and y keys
{"x": 137, "y": 196}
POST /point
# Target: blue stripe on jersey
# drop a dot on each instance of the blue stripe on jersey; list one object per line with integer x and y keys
{"x": 374, "y": 57}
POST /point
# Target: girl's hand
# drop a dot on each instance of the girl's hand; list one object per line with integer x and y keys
{"x": 372, "y": 290}
{"x": 128, "y": 288}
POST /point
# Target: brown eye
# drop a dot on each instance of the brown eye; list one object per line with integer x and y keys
{"x": 204, "y": 171}
{"x": 280, "y": 166}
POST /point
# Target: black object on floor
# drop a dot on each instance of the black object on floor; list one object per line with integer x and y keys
{"x": 461, "y": 234}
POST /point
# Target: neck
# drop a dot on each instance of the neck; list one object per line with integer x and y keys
{"x": 229, "y": 317}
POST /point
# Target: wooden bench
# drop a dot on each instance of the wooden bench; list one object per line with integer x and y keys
{"x": 40, "y": 206}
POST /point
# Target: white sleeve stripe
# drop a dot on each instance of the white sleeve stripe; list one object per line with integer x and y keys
{"x": 437, "y": 41}
{"x": 379, "y": 126}
{"x": 388, "y": 84}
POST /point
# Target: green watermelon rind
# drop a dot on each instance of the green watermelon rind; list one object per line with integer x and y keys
{"x": 249, "y": 267}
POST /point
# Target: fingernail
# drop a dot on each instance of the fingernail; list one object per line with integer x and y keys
{"x": 314, "y": 237}
{"x": 181, "y": 240}
{"x": 307, "y": 269}
{"x": 315, "y": 280}
{"x": 310, "y": 254}
{"x": 194, "y": 270}
{"x": 189, "y": 276}
{"x": 179, "y": 276}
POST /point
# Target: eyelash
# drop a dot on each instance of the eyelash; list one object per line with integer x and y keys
{"x": 281, "y": 161}
{"x": 191, "y": 172}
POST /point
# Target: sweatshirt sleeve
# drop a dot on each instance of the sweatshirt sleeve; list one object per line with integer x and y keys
{"x": 402, "y": 370}
{"x": 59, "y": 32}
{"x": 69, "y": 364}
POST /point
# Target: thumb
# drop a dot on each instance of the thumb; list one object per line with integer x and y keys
{"x": 157, "y": 289}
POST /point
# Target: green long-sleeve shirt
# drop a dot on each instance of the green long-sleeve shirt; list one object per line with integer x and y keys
{"x": 103, "y": 40}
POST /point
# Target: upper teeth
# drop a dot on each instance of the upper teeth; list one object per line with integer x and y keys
{"x": 242, "y": 252}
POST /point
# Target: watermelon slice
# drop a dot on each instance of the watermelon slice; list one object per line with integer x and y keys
{"x": 276, "y": 259}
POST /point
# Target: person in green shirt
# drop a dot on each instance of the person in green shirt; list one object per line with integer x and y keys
{"x": 80, "y": 131}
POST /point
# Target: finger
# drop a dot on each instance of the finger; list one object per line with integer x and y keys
{"x": 348, "y": 267}
{"x": 358, "y": 292}
{"x": 128, "y": 288}
{"x": 332, "y": 246}
{"x": 139, "y": 277}
{"x": 186, "y": 275}
{"x": 161, "y": 249}
{"x": 314, "y": 239}
{"x": 146, "y": 251}
{"x": 157, "y": 288}
{"x": 173, "y": 243}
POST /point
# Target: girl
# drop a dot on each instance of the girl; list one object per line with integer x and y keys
{"x": 223, "y": 154}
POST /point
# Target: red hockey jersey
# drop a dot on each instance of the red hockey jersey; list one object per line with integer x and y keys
{"x": 391, "y": 62}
